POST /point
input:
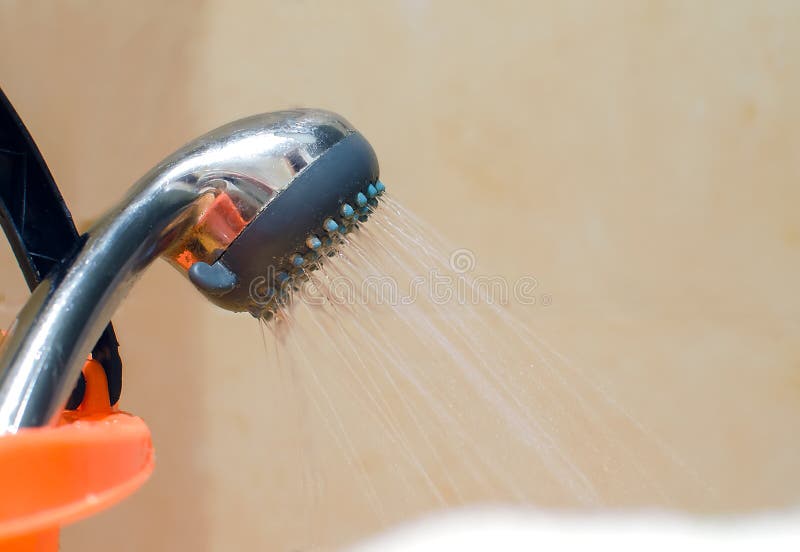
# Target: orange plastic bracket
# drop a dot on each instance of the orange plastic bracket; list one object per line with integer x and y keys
{"x": 53, "y": 476}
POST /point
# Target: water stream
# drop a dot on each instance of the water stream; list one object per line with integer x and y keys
{"x": 412, "y": 387}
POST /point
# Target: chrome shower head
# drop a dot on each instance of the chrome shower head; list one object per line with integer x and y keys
{"x": 280, "y": 186}
{"x": 238, "y": 211}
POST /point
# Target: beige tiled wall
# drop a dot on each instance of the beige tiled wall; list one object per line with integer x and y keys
{"x": 639, "y": 158}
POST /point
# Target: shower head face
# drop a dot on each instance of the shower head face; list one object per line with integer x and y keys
{"x": 280, "y": 188}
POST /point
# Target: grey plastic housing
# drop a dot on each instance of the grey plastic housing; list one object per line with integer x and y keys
{"x": 280, "y": 230}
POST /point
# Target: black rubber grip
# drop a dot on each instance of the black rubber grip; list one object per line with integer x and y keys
{"x": 40, "y": 229}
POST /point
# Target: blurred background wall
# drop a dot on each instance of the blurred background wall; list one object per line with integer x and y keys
{"x": 638, "y": 158}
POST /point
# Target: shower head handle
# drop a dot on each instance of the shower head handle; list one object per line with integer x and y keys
{"x": 255, "y": 178}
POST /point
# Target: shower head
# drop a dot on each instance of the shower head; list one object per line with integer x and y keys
{"x": 281, "y": 187}
{"x": 241, "y": 211}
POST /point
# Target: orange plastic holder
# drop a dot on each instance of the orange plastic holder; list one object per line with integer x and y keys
{"x": 53, "y": 476}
